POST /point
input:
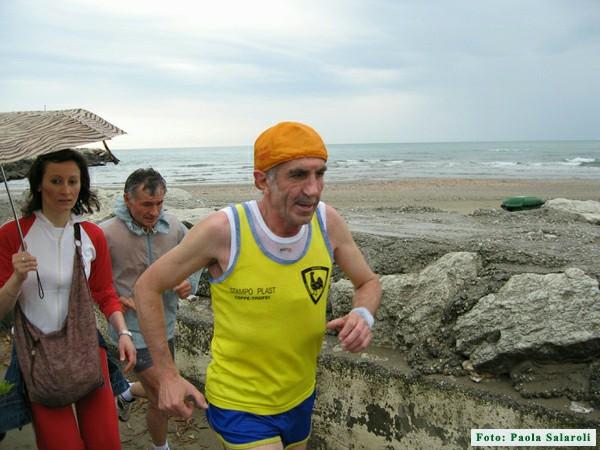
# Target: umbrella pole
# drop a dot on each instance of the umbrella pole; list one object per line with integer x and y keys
{"x": 23, "y": 245}
{"x": 12, "y": 206}
{"x": 111, "y": 154}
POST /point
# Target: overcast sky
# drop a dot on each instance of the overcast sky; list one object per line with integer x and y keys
{"x": 203, "y": 73}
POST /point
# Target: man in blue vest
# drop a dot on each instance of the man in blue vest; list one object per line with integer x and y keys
{"x": 270, "y": 264}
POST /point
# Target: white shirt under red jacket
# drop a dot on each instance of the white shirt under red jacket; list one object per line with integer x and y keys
{"x": 54, "y": 249}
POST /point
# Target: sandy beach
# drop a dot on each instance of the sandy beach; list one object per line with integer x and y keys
{"x": 460, "y": 195}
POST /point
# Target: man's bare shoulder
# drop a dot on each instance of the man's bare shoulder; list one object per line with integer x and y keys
{"x": 330, "y": 210}
{"x": 337, "y": 229}
{"x": 215, "y": 225}
{"x": 208, "y": 241}
{"x": 334, "y": 218}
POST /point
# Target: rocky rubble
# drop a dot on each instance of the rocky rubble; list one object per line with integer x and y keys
{"x": 589, "y": 210}
{"x": 524, "y": 306}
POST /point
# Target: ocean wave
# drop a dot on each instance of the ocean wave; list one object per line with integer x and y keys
{"x": 580, "y": 161}
{"x": 187, "y": 180}
{"x": 504, "y": 150}
{"x": 502, "y": 163}
{"x": 592, "y": 163}
{"x": 346, "y": 162}
{"x": 355, "y": 162}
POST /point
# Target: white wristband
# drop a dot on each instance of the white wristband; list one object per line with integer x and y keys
{"x": 365, "y": 314}
{"x": 126, "y": 333}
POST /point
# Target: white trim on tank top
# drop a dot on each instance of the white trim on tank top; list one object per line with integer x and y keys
{"x": 228, "y": 210}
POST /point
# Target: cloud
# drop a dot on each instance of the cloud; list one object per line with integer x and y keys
{"x": 204, "y": 73}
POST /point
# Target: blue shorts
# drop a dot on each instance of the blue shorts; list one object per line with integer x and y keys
{"x": 240, "y": 430}
{"x": 144, "y": 359}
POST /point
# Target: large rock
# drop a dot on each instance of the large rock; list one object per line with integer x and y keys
{"x": 107, "y": 199}
{"x": 178, "y": 198}
{"x": 190, "y": 215}
{"x": 588, "y": 210}
{"x": 412, "y": 305}
{"x": 538, "y": 317}
{"x": 182, "y": 204}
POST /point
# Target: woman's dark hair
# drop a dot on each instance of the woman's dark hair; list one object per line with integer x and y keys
{"x": 87, "y": 200}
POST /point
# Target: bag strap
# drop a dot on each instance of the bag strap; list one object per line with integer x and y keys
{"x": 77, "y": 229}
{"x": 78, "y": 243}
{"x": 78, "y": 251}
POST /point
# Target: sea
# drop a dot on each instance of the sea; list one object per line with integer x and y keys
{"x": 387, "y": 161}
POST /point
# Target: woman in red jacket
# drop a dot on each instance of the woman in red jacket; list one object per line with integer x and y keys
{"x": 60, "y": 192}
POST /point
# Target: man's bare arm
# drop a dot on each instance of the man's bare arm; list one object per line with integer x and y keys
{"x": 204, "y": 244}
{"x": 354, "y": 332}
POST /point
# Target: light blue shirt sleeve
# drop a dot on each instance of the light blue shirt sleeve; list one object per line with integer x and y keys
{"x": 194, "y": 278}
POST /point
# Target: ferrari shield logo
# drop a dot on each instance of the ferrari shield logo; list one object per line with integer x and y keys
{"x": 315, "y": 279}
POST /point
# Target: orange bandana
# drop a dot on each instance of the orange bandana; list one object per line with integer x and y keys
{"x": 286, "y": 141}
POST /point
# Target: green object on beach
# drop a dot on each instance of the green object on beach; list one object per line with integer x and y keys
{"x": 5, "y": 387}
{"x": 521, "y": 202}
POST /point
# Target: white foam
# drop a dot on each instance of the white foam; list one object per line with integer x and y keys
{"x": 579, "y": 160}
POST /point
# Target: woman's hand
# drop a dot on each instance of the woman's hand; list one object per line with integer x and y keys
{"x": 127, "y": 303}
{"x": 127, "y": 352}
{"x": 23, "y": 263}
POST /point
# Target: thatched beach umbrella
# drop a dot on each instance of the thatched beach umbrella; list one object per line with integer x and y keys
{"x": 27, "y": 134}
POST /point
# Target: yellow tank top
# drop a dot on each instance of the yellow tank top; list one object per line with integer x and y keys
{"x": 269, "y": 323}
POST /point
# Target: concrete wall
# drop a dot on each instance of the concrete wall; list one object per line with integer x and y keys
{"x": 373, "y": 401}
{"x": 363, "y": 405}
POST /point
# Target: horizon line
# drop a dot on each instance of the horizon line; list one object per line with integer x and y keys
{"x": 367, "y": 143}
